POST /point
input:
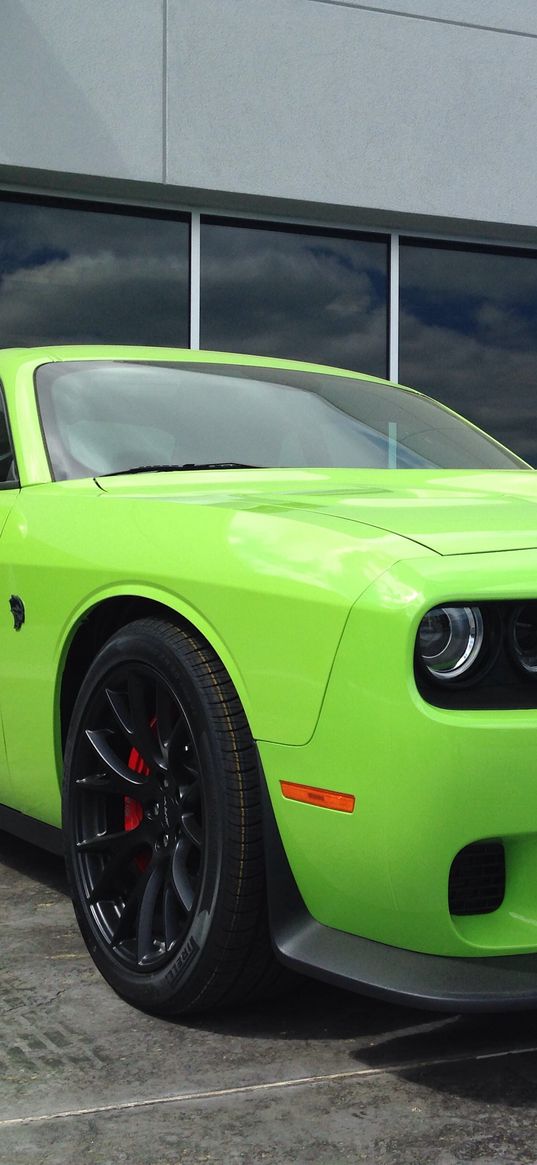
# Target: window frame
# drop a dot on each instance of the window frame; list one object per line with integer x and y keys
{"x": 15, "y": 482}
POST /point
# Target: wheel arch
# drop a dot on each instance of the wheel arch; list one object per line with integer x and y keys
{"x": 93, "y": 626}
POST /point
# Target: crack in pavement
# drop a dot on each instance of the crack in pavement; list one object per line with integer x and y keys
{"x": 269, "y": 1086}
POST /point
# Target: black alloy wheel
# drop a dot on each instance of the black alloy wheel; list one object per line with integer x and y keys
{"x": 162, "y": 825}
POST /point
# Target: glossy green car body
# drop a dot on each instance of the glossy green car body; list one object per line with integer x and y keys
{"x": 310, "y": 585}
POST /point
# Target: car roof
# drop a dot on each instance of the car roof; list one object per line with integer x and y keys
{"x": 55, "y": 353}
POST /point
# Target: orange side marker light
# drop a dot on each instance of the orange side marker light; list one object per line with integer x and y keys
{"x": 326, "y": 798}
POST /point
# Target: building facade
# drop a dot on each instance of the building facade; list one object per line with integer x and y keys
{"x": 350, "y": 183}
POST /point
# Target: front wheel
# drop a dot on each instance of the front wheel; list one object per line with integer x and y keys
{"x": 162, "y": 825}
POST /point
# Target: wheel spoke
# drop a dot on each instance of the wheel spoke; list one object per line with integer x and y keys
{"x": 126, "y": 846}
{"x": 182, "y": 756}
{"x": 143, "y": 739}
{"x": 118, "y": 705}
{"x": 192, "y": 829}
{"x": 126, "y": 922}
{"x": 98, "y": 783}
{"x": 181, "y": 880}
{"x": 190, "y": 797}
{"x": 173, "y": 916}
{"x": 120, "y": 778}
{"x": 104, "y": 841}
{"x": 164, "y": 717}
{"x": 146, "y": 912}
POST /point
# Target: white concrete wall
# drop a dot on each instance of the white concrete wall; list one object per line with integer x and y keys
{"x": 81, "y": 86}
{"x": 425, "y": 108}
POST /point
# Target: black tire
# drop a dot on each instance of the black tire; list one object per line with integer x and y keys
{"x": 162, "y": 825}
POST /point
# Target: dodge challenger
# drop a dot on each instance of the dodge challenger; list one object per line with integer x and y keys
{"x": 268, "y": 676}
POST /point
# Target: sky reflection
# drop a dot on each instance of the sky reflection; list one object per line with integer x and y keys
{"x": 468, "y": 336}
{"x": 297, "y": 294}
{"x": 86, "y": 276}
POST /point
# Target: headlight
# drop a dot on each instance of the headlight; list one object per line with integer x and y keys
{"x": 450, "y": 640}
{"x": 523, "y": 637}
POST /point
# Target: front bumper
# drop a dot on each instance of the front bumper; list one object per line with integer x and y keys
{"x": 507, "y": 983}
{"x": 428, "y": 782}
{"x": 503, "y": 983}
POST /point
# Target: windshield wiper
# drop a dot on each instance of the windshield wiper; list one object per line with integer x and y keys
{"x": 176, "y": 468}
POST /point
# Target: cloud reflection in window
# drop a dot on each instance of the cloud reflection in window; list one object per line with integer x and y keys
{"x": 304, "y": 295}
{"x": 468, "y": 335}
{"x": 70, "y": 275}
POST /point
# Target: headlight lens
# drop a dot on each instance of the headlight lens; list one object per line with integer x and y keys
{"x": 450, "y": 640}
{"x": 524, "y": 637}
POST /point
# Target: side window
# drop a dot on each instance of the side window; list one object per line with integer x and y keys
{"x": 8, "y": 470}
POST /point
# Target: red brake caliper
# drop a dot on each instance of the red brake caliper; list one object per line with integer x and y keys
{"x": 133, "y": 811}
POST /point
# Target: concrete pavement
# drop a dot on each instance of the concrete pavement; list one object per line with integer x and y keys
{"x": 321, "y": 1076}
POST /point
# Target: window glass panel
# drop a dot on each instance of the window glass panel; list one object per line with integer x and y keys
{"x": 74, "y": 275}
{"x": 303, "y": 295}
{"x": 468, "y": 335}
{"x": 119, "y": 416}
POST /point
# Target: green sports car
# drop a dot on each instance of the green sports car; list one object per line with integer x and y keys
{"x": 268, "y": 642}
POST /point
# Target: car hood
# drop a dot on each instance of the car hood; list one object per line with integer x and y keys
{"x": 447, "y": 511}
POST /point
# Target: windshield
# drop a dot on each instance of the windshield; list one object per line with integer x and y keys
{"x": 103, "y": 417}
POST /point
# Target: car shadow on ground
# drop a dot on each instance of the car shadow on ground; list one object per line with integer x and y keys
{"x": 490, "y": 1059}
{"x": 310, "y": 1011}
{"x": 389, "y": 1035}
{"x": 32, "y": 862}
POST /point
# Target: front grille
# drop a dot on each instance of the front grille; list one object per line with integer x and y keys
{"x": 477, "y": 879}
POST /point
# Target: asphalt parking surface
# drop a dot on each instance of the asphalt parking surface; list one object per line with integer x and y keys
{"x": 321, "y": 1076}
